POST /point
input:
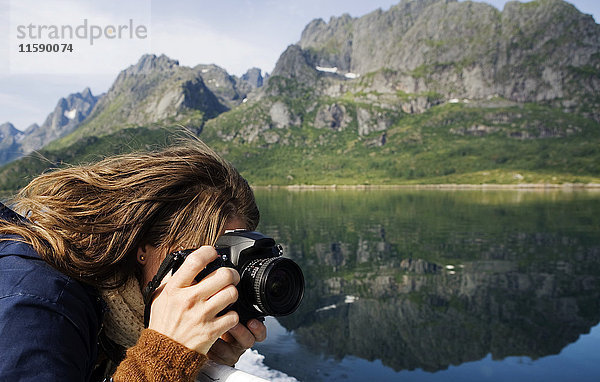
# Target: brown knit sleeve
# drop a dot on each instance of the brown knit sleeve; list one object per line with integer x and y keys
{"x": 156, "y": 357}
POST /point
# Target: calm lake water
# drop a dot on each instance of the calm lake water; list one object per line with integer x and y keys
{"x": 438, "y": 285}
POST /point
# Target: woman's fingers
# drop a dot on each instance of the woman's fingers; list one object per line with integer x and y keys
{"x": 227, "y": 321}
{"x": 216, "y": 281}
{"x": 228, "y": 349}
{"x": 240, "y": 337}
{"x": 224, "y": 353}
{"x": 221, "y": 300}
{"x": 193, "y": 264}
{"x": 188, "y": 312}
{"x": 258, "y": 329}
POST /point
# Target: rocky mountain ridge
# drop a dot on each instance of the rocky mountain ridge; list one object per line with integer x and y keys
{"x": 157, "y": 92}
{"x": 68, "y": 114}
{"x": 231, "y": 90}
{"x": 364, "y": 73}
{"x": 152, "y": 90}
{"x": 10, "y": 142}
{"x": 529, "y": 52}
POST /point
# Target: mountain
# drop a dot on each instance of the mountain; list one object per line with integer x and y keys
{"x": 147, "y": 100}
{"x": 154, "y": 90}
{"x": 539, "y": 51}
{"x": 229, "y": 89}
{"x": 10, "y": 142}
{"x": 429, "y": 91}
{"x": 254, "y": 78}
{"x": 157, "y": 92}
{"x": 543, "y": 51}
{"x": 66, "y": 117}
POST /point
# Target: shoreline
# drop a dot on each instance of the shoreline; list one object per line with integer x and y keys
{"x": 443, "y": 186}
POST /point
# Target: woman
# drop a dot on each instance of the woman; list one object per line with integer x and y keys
{"x": 72, "y": 267}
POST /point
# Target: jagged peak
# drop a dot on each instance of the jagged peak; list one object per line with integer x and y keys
{"x": 318, "y": 32}
{"x": 31, "y": 128}
{"x": 63, "y": 103}
{"x": 87, "y": 93}
{"x": 413, "y": 6}
{"x": 205, "y": 68}
{"x": 254, "y": 77}
{"x": 344, "y": 18}
{"x": 315, "y": 23}
{"x": 252, "y": 73}
{"x": 8, "y": 128}
{"x": 290, "y": 60}
{"x": 420, "y": 4}
{"x": 317, "y": 26}
{"x": 254, "y": 69}
{"x": 556, "y": 5}
{"x": 150, "y": 62}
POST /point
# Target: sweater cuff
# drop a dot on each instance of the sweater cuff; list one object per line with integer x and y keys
{"x": 157, "y": 357}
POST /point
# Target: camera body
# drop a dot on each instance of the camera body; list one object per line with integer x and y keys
{"x": 270, "y": 285}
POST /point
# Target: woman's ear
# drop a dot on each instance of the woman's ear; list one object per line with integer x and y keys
{"x": 142, "y": 254}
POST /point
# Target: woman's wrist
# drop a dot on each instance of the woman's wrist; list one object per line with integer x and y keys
{"x": 161, "y": 357}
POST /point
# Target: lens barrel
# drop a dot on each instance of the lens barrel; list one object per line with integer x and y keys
{"x": 277, "y": 285}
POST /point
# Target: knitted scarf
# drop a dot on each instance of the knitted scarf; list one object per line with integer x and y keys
{"x": 124, "y": 321}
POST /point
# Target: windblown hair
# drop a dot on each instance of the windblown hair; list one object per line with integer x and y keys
{"x": 88, "y": 221}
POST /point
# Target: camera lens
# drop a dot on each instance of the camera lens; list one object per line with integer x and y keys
{"x": 278, "y": 285}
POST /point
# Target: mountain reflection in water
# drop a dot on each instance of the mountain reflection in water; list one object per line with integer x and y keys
{"x": 429, "y": 279}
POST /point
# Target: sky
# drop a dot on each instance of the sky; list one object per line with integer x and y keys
{"x": 234, "y": 34}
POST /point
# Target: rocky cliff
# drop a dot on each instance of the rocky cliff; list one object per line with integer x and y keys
{"x": 229, "y": 89}
{"x": 10, "y": 142}
{"x": 420, "y": 54}
{"x": 157, "y": 92}
{"x": 529, "y": 52}
{"x": 68, "y": 114}
{"x": 154, "y": 89}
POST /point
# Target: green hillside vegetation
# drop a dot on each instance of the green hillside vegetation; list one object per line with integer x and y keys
{"x": 108, "y": 122}
{"x": 17, "y": 174}
{"x": 471, "y": 143}
{"x": 450, "y": 143}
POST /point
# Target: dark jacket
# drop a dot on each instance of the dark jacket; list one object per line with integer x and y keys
{"x": 49, "y": 322}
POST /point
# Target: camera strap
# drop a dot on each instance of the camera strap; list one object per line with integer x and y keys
{"x": 170, "y": 264}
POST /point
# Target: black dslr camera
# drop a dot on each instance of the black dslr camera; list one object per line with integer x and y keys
{"x": 270, "y": 285}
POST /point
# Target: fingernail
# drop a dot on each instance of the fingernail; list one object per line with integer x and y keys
{"x": 253, "y": 324}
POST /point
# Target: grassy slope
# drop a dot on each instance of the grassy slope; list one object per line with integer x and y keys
{"x": 426, "y": 148}
{"x": 433, "y": 147}
{"x": 18, "y": 173}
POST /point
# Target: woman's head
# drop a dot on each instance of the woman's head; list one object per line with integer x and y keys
{"x": 89, "y": 221}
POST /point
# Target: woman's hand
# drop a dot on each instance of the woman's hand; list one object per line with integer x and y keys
{"x": 186, "y": 311}
{"x": 228, "y": 349}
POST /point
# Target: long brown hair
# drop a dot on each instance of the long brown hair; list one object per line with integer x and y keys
{"x": 88, "y": 221}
